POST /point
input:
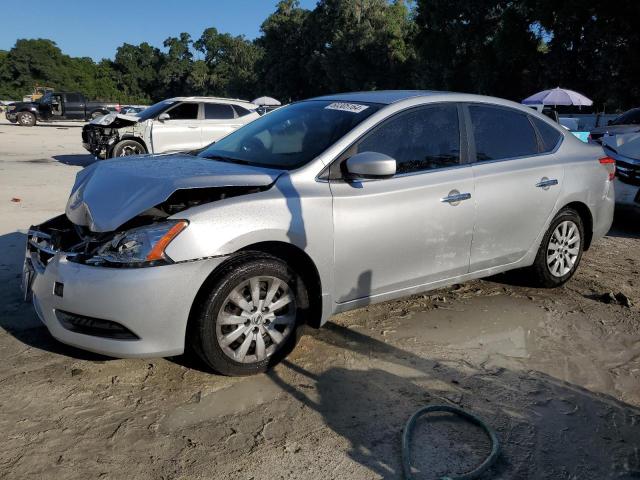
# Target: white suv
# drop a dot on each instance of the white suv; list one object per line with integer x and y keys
{"x": 175, "y": 125}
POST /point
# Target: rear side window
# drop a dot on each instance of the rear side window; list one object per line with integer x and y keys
{"x": 74, "y": 98}
{"x": 184, "y": 111}
{"x": 424, "y": 138}
{"x": 502, "y": 133}
{"x": 549, "y": 135}
{"x": 241, "y": 111}
{"x": 218, "y": 111}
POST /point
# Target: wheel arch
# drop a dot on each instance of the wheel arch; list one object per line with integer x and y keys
{"x": 587, "y": 220}
{"x": 297, "y": 258}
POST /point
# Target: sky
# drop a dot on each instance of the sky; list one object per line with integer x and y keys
{"x": 95, "y": 28}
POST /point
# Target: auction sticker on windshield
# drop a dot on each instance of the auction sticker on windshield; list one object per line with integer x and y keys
{"x": 346, "y": 107}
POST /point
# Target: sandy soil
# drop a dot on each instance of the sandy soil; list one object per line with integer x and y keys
{"x": 555, "y": 372}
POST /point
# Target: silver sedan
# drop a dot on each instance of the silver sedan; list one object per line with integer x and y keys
{"x": 319, "y": 207}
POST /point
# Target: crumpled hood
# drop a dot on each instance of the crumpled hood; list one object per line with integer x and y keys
{"x": 111, "y": 192}
{"x": 115, "y": 119}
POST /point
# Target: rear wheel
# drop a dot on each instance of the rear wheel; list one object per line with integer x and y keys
{"x": 127, "y": 148}
{"x": 26, "y": 119}
{"x": 560, "y": 250}
{"x": 249, "y": 319}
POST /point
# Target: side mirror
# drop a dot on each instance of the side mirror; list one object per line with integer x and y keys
{"x": 371, "y": 165}
{"x": 164, "y": 116}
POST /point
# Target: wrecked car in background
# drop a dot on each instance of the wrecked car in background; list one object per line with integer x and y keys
{"x": 316, "y": 208}
{"x": 174, "y": 125}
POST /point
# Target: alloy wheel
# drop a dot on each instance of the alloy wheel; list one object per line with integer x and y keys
{"x": 256, "y": 318}
{"x": 563, "y": 248}
{"x": 130, "y": 150}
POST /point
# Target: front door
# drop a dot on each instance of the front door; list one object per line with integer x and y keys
{"x": 180, "y": 132}
{"x": 413, "y": 229}
{"x": 517, "y": 183}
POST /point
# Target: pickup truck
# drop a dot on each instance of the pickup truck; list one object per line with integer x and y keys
{"x": 58, "y": 106}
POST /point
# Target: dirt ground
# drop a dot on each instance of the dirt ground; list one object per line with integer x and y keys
{"x": 555, "y": 372}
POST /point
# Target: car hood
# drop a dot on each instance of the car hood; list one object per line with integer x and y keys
{"x": 115, "y": 120}
{"x": 111, "y": 192}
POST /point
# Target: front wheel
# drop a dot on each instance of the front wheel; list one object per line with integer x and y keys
{"x": 26, "y": 119}
{"x": 560, "y": 250}
{"x": 126, "y": 148}
{"x": 248, "y": 319}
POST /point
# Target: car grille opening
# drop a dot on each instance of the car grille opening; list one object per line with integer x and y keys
{"x": 95, "y": 327}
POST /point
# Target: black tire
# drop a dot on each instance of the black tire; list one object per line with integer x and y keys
{"x": 541, "y": 270}
{"x": 26, "y": 119}
{"x": 126, "y": 148}
{"x": 214, "y": 300}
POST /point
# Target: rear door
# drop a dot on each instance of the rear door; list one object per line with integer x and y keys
{"x": 74, "y": 105}
{"x": 219, "y": 120}
{"x": 180, "y": 132}
{"x": 394, "y": 234}
{"x": 518, "y": 177}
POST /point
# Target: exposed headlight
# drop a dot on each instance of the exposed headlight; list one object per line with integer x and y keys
{"x": 140, "y": 246}
{"x": 11, "y": 108}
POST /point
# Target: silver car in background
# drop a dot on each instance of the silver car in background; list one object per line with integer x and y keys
{"x": 319, "y": 207}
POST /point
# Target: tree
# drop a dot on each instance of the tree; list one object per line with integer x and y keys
{"x": 176, "y": 65}
{"x": 359, "y": 45}
{"x": 484, "y": 47}
{"x": 231, "y": 64}
{"x": 285, "y": 50}
{"x": 136, "y": 70}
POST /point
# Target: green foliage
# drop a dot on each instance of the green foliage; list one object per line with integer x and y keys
{"x": 507, "y": 48}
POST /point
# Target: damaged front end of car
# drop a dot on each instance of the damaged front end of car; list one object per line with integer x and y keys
{"x": 139, "y": 242}
{"x": 101, "y": 135}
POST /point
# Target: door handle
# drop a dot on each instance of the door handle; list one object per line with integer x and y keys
{"x": 192, "y": 126}
{"x": 545, "y": 183}
{"x": 455, "y": 197}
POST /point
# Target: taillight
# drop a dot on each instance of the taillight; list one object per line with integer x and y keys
{"x": 610, "y": 165}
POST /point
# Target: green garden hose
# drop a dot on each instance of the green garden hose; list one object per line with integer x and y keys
{"x": 406, "y": 442}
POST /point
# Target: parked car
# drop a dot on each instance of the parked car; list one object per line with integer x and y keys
{"x": 132, "y": 109}
{"x": 58, "y": 106}
{"x": 319, "y": 207}
{"x": 173, "y": 125}
{"x": 628, "y": 122}
{"x": 625, "y": 150}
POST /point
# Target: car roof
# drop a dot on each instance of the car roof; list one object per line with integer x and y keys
{"x": 245, "y": 103}
{"x": 387, "y": 97}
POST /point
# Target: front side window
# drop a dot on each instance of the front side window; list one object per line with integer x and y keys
{"x": 291, "y": 136}
{"x": 218, "y": 111}
{"x": 501, "y": 133}
{"x": 424, "y": 138}
{"x": 184, "y": 111}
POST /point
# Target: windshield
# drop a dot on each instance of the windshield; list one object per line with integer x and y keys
{"x": 155, "y": 109}
{"x": 292, "y": 136}
{"x": 632, "y": 117}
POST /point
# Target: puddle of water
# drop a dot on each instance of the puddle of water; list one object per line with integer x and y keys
{"x": 240, "y": 396}
{"x": 498, "y": 324}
